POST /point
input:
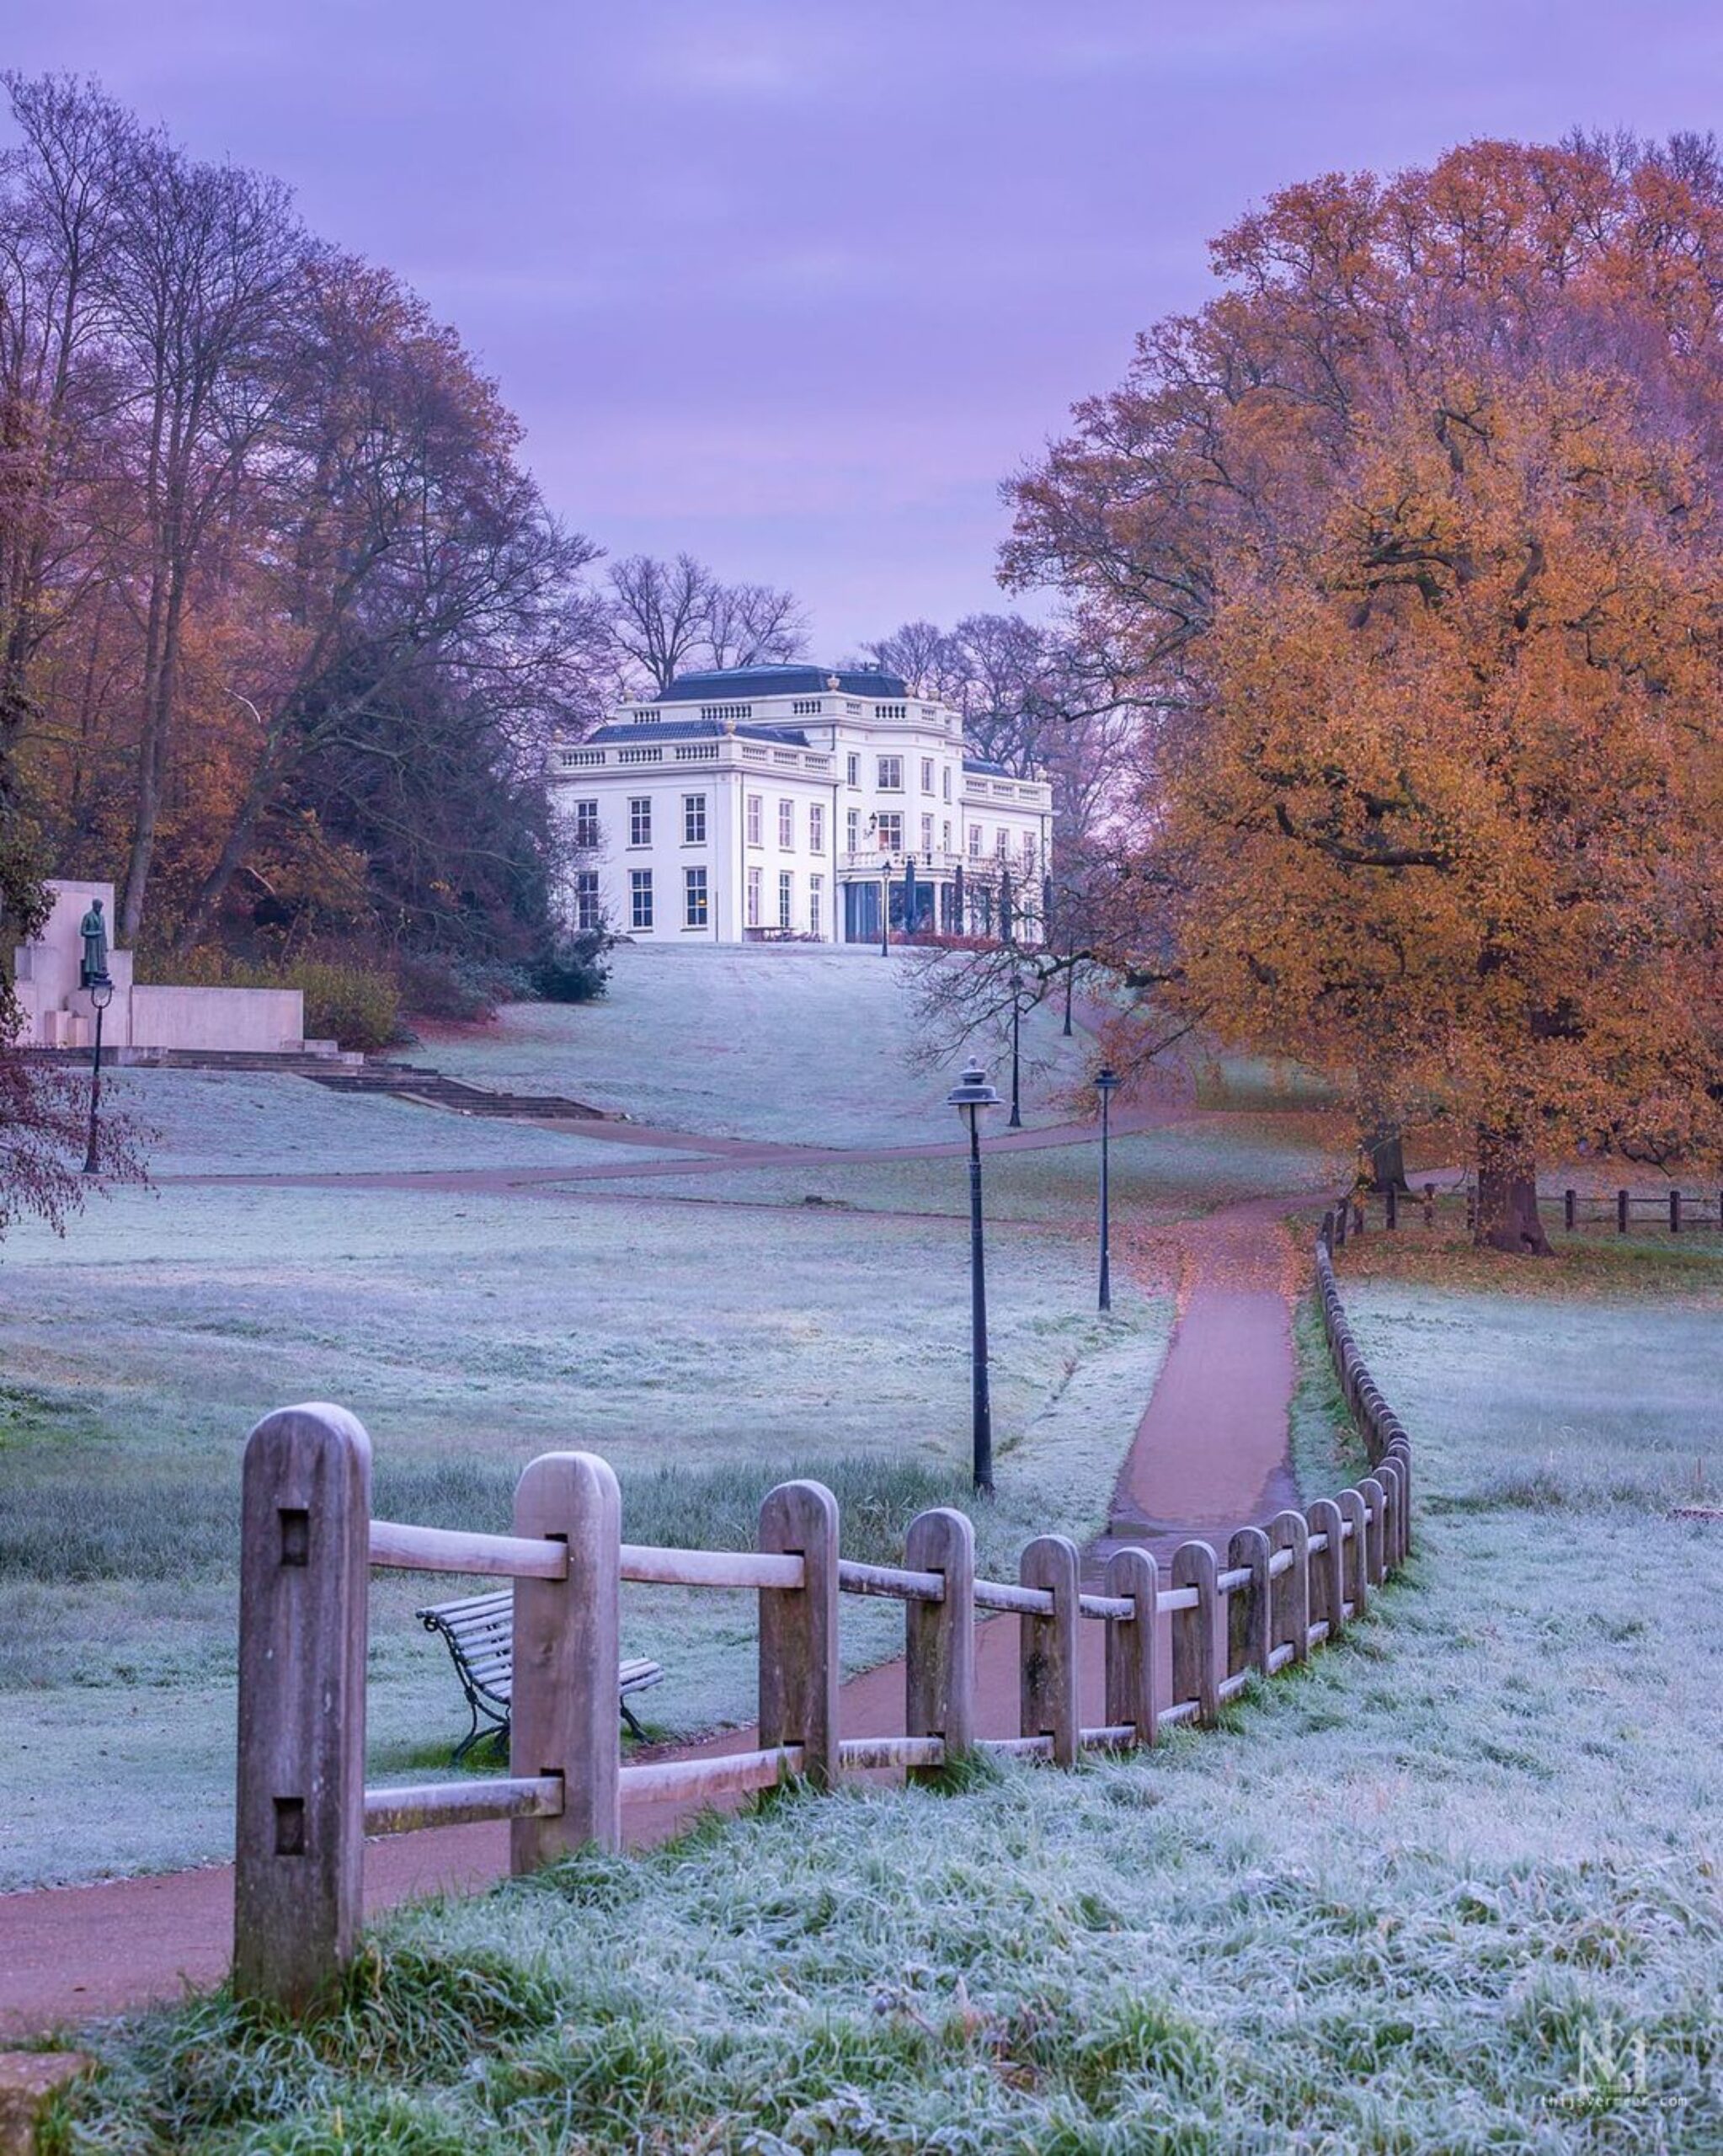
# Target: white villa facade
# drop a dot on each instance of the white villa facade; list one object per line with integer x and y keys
{"x": 791, "y": 800}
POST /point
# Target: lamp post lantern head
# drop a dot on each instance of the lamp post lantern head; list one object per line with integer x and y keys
{"x": 101, "y": 991}
{"x": 1105, "y": 1079}
{"x": 971, "y": 1094}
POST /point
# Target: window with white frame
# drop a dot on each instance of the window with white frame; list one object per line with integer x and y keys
{"x": 754, "y": 875}
{"x": 853, "y": 764}
{"x": 586, "y": 899}
{"x": 927, "y": 773}
{"x": 891, "y": 774}
{"x": 1029, "y": 849}
{"x": 756, "y": 809}
{"x": 945, "y": 836}
{"x": 947, "y": 776}
{"x": 1001, "y": 841}
{"x": 852, "y": 829}
{"x": 816, "y": 827}
{"x": 787, "y": 824}
{"x": 926, "y": 835}
{"x": 975, "y": 840}
{"x": 890, "y": 829}
{"x": 640, "y": 820}
{"x": 640, "y": 898}
{"x": 786, "y": 898}
{"x": 586, "y": 822}
{"x": 816, "y": 905}
{"x": 693, "y": 898}
{"x": 693, "y": 820}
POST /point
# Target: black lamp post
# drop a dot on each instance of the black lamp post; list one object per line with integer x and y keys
{"x": 101, "y": 994}
{"x": 885, "y": 910}
{"x": 1105, "y": 1081}
{"x": 1016, "y": 1118}
{"x": 969, "y": 1096}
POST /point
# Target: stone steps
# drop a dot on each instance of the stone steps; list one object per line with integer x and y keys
{"x": 431, "y": 1088}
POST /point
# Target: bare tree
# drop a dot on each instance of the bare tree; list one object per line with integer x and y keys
{"x": 659, "y": 613}
{"x": 670, "y": 616}
{"x": 753, "y": 625}
{"x": 926, "y": 655}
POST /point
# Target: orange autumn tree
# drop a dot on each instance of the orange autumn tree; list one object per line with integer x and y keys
{"x": 1409, "y": 547}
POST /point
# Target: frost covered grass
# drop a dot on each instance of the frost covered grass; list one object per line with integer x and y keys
{"x": 1418, "y": 1897}
{"x": 1157, "y": 1175}
{"x": 791, "y": 1043}
{"x": 469, "y": 1331}
{"x": 237, "y": 1123}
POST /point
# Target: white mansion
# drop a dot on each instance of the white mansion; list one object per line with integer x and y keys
{"x": 773, "y": 801}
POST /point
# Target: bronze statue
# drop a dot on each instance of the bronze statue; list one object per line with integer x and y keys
{"x": 94, "y": 929}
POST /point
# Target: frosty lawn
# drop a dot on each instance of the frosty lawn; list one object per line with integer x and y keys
{"x": 1401, "y": 1903}
{"x": 468, "y": 1332}
{"x": 232, "y": 1122}
{"x": 804, "y": 1046}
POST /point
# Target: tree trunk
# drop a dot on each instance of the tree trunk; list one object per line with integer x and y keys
{"x": 1387, "y": 1152}
{"x": 1507, "y": 1196}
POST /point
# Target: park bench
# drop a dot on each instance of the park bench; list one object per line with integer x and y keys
{"x": 480, "y": 1633}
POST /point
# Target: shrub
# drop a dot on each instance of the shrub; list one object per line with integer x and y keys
{"x": 572, "y": 970}
{"x": 357, "y": 1005}
{"x": 433, "y": 985}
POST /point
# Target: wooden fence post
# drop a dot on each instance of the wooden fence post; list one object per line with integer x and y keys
{"x": 568, "y": 1643}
{"x": 1328, "y": 1569}
{"x": 1400, "y": 1448}
{"x": 1289, "y": 1594}
{"x": 939, "y": 1637}
{"x": 1340, "y": 1212}
{"x": 299, "y": 1827}
{"x": 1193, "y": 1671}
{"x": 1048, "y": 1646}
{"x": 1392, "y": 1208}
{"x": 1675, "y": 1211}
{"x": 798, "y": 1631}
{"x": 1429, "y": 1204}
{"x": 1386, "y": 1472}
{"x": 1356, "y": 1588}
{"x": 1247, "y": 1606}
{"x": 1370, "y": 1490}
{"x": 1570, "y": 1202}
{"x": 1133, "y": 1645}
{"x": 1621, "y": 1212}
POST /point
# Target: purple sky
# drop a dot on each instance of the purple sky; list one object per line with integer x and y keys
{"x": 794, "y": 283}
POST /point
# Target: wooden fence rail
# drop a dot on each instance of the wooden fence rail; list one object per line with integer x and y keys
{"x": 1680, "y": 1211}
{"x": 309, "y": 1542}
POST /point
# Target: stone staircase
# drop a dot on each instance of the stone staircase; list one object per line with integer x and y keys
{"x": 430, "y": 1088}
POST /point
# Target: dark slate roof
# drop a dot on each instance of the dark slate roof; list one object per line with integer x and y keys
{"x": 980, "y": 765}
{"x": 736, "y": 683}
{"x": 691, "y": 729}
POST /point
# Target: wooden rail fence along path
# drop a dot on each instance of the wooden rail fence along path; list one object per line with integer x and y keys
{"x": 309, "y": 1543}
{"x": 1679, "y": 1212}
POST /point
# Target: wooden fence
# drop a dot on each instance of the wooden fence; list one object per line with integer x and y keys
{"x": 1680, "y": 1211}
{"x": 309, "y": 1543}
